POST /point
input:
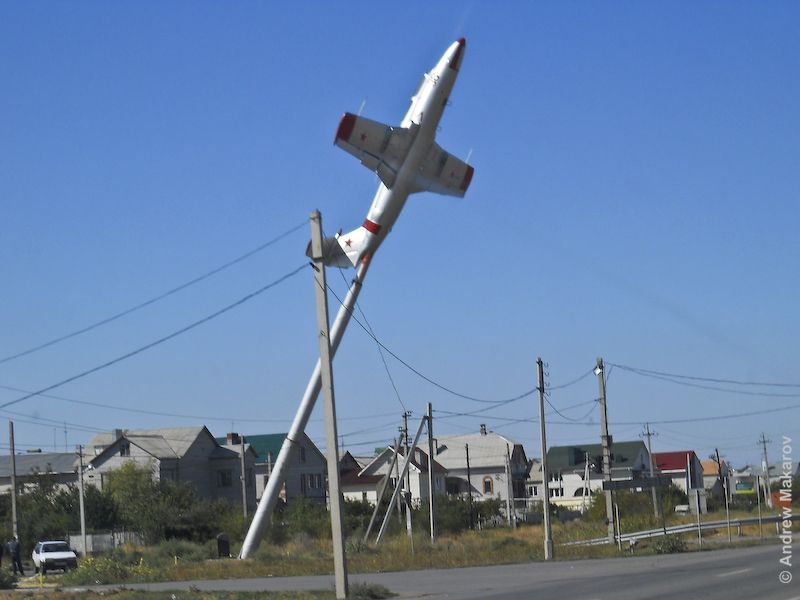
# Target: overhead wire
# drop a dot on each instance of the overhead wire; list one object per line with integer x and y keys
{"x": 674, "y": 379}
{"x": 154, "y": 299}
{"x": 639, "y": 370}
{"x": 380, "y": 351}
{"x": 422, "y": 375}
{"x": 159, "y": 341}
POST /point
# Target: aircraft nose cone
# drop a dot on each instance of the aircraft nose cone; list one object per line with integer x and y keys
{"x": 457, "y": 53}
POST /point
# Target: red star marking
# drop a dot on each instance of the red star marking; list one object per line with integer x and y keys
{"x": 348, "y": 243}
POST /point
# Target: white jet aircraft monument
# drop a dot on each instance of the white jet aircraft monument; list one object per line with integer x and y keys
{"x": 407, "y": 159}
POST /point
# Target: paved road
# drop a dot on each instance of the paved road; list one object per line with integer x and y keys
{"x": 746, "y": 573}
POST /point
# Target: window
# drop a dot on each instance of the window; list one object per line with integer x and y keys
{"x": 302, "y": 454}
{"x": 556, "y": 492}
{"x": 124, "y": 449}
{"x": 225, "y": 478}
{"x": 532, "y": 491}
{"x": 488, "y": 485}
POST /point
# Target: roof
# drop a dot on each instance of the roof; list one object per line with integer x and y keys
{"x": 265, "y": 443}
{"x": 573, "y": 458}
{"x": 386, "y": 457}
{"x": 161, "y": 443}
{"x": 485, "y": 450}
{"x": 672, "y": 461}
{"x": 41, "y": 462}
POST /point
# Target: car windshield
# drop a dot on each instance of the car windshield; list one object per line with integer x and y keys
{"x": 61, "y": 547}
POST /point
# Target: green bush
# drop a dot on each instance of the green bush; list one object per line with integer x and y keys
{"x": 8, "y": 581}
{"x": 669, "y": 544}
{"x": 166, "y": 552}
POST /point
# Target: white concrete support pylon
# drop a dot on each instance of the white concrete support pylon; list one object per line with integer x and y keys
{"x": 281, "y": 467}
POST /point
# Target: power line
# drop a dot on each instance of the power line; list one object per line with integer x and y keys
{"x": 141, "y": 411}
{"x": 672, "y": 377}
{"x": 380, "y": 351}
{"x": 155, "y": 299}
{"x": 141, "y": 349}
{"x": 423, "y": 376}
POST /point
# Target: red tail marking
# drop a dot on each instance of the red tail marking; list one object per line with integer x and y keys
{"x": 346, "y": 126}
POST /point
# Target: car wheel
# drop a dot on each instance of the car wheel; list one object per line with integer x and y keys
{"x": 44, "y": 570}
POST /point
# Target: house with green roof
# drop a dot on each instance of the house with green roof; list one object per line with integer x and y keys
{"x": 574, "y": 472}
{"x": 307, "y": 473}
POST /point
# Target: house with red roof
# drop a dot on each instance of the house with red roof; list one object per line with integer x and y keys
{"x": 686, "y": 472}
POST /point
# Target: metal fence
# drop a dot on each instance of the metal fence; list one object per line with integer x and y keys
{"x": 102, "y": 542}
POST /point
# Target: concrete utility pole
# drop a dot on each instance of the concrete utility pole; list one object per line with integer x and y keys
{"x": 331, "y": 437}
{"x": 81, "y": 500}
{"x": 13, "y": 480}
{"x": 648, "y": 434}
{"x": 396, "y": 492}
{"x": 509, "y": 490}
{"x": 244, "y": 477}
{"x": 548, "y": 532}
{"x": 431, "y": 476}
{"x": 724, "y": 491}
{"x": 469, "y": 489}
{"x": 606, "y": 441}
{"x": 765, "y": 467}
{"x": 384, "y": 485}
{"x": 281, "y": 467}
{"x": 407, "y": 483}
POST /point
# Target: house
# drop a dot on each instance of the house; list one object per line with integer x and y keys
{"x": 686, "y": 472}
{"x": 574, "y": 472}
{"x": 364, "y": 483}
{"x": 356, "y": 485}
{"x": 60, "y": 469}
{"x": 485, "y": 475}
{"x": 182, "y": 454}
{"x": 713, "y": 477}
{"x": 308, "y": 469}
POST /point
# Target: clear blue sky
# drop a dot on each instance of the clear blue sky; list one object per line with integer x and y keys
{"x": 635, "y": 197}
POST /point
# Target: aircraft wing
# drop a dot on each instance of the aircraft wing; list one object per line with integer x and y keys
{"x": 379, "y": 147}
{"x": 443, "y": 173}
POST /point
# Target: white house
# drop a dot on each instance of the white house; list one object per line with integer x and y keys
{"x": 485, "y": 465}
{"x": 364, "y": 483}
{"x": 574, "y": 472}
{"x": 686, "y": 472}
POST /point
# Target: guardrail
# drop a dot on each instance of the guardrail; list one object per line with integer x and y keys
{"x": 685, "y": 528}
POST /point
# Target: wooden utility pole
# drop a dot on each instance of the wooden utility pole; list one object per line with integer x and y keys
{"x": 606, "y": 441}
{"x": 431, "y": 476}
{"x": 244, "y": 477}
{"x": 81, "y": 500}
{"x": 331, "y": 437}
{"x": 548, "y": 532}
{"x": 725, "y": 492}
{"x": 13, "y": 480}
{"x": 765, "y": 467}
{"x": 648, "y": 434}
{"x": 469, "y": 489}
{"x": 509, "y": 491}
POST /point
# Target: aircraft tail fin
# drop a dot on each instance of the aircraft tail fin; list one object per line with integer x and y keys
{"x": 344, "y": 249}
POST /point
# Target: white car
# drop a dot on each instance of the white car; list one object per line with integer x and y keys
{"x": 53, "y": 555}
